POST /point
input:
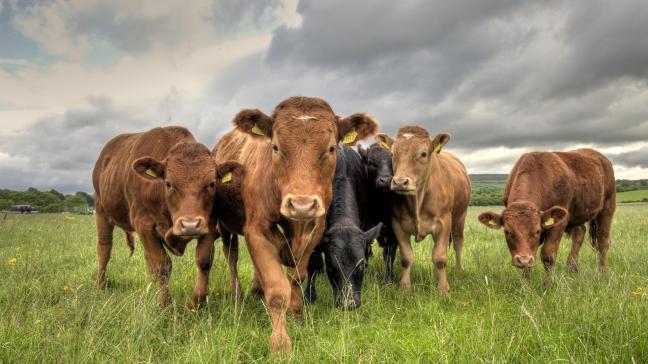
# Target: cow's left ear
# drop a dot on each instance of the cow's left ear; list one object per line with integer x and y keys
{"x": 355, "y": 128}
{"x": 374, "y": 232}
{"x": 439, "y": 142}
{"x": 229, "y": 172}
{"x": 254, "y": 122}
{"x": 555, "y": 215}
{"x": 149, "y": 168}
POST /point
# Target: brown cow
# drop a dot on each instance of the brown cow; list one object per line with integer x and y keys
{"x": 289, "y": 159}
{"x": 160, "y": 184}
{"x": 434, "y": 191}
{"x": 549, "y": 193}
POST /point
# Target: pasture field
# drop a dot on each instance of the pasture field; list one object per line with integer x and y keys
{"x": 634, "y": 196}
{"x": 49, "y": 311}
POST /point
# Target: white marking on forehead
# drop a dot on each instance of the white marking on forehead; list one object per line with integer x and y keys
{"x": 305, "y": 117}
{"x": 408, "y": 135}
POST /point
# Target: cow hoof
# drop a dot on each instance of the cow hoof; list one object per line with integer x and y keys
{"x": 280, "y": 344}
{"x": 573, "y": 268}
{"x": 603, "y": 269}
{"x": 101, "y": 283}
{"x": 406, "y": 287}
{"x": 443, "y": 289}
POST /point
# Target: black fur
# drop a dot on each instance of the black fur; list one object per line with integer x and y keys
{"x": 346, "y": 244}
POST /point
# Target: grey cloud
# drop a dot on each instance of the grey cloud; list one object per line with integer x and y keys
{"x": 635, "y": 158}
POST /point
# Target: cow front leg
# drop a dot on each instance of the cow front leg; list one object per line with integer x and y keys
{"x": 577, "y": 236}
{"x": 231, "y": 251}
{"x": 204, "y": 260}
{"x": 406, "y": 256}
{"x": 440, "y": 254}
{"x": 315, "y": 266}
{"x": 104, "y": 247}
{"x": 158, "y": 262}
{"x": 550, "y": 250}
{"x": 601, "y": 229}
{"x": 389, "y": 255}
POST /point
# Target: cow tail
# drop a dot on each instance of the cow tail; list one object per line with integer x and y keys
{"x": 131, "y": 243}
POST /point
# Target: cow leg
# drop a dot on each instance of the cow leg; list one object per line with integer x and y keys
{"x": 276, "y": 287}
{"x": 577, "y": 235}
{"x": 601, "y": 230}
{"x": 458, "y": 239}
{"x": 104, "y": 247}
{"x": 550, "y": 250}
{"x": 231, "y": 251}
{"x": 204, "y": 259}
{"x": 296, "y": 276}
{"x": 406, "y": 256}
{"x": 389, "y": 255}
{"x": 158, "y": 262}
{"x": 440, "y": 254}
{"x": 315, "y": 266}
{"x": 256, "y": 289}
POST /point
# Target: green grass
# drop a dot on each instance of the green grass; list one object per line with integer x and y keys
{"x": 493, "y": 314}
{"x": 632, "y": 196}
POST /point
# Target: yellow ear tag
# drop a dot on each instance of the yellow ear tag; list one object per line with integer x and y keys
{"x": 549, "y": 221}
{"x": 151, "y": 173}
{"x": 227, "y": 177}
{"x": 384, "y": 145}
{"x": 437, "y": 149}
{"x": 256, "y": 130}
{"x": 350, "y": 137}
{"x": 492, "y": 222}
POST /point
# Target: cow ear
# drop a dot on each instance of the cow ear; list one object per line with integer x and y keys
{"x": 355, "y": 128}
{"x": 555, "y": 215}
{"x": 491, "y": 219}
{"x": 374, "y": 232}
{"x": 229, "y": 172}
{"x": 439, "y": 142}
{"x": 254, "y": 122}
{"x": 384, "y": 141}
{"x": 149, "y": 168}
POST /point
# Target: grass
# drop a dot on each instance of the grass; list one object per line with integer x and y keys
{"x": 49, "y": 311}
{"x": 632, "y": 196}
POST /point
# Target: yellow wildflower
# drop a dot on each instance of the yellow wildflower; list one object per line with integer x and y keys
{"x": 638, "y": 292}
{"x": 13, "y": 261}
{"x": 66, "y": 288}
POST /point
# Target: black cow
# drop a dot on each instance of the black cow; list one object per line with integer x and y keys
{"x": 345, "y": 245}
{"x": 378, "y": 160}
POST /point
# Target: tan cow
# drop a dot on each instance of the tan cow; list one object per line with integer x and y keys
{"x": 161, "y": 185}
{"x": 434, "y": 191}
{"x": 550, "y": 193}
{"x": 289, "y": 161}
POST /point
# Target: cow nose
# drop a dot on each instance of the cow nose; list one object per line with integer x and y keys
{"x": 384, "y": 181}
{"x": 191, "y": 225}
{"x": 302, "y": 207}
{"x": 401, "y": 183}
{"x": 523, "y": 261}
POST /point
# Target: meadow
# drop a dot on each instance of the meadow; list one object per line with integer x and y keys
{"x": 50, "y": 312}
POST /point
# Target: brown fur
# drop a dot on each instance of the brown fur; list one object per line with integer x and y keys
{"x": 572, "y": 188}
{"x": 435, "y": 192}
{"x": 159, "y": 207}
{"x": 296, "y": 156}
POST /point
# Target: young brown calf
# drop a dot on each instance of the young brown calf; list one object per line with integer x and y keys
{"x": 434, "y": 191}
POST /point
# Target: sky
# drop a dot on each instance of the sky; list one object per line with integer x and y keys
{"x": 503, "y": 77}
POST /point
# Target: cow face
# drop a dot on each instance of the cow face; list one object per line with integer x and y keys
{"x": 414, "y": 152}
{"x": 347, "y": 253}
{"x": 188, "y": 174}
{"x": 303, "y": 134}
{"x": 524, "y": 228}
{"x": 378, "y": 160}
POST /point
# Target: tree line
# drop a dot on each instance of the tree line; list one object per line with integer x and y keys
{"x": 46, "y": 201}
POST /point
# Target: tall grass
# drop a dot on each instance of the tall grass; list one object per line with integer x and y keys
{"x": 50, "y": 312}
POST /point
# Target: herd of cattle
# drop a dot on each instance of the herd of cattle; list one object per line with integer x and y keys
{"x": 305, "y": 200}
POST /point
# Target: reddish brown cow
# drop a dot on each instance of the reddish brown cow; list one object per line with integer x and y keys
{"x": 549, "y": 193}
{"x": 434, "y": 191}
{"x": 289, "y": 159}
{"x": 160, "y": 184}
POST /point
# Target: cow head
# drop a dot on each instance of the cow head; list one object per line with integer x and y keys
{"x": 378, "y": 160}
{"x": 414, "y": 152}
{"x": 303, "y": 134}
{"x": 524, "y": 228}
{"x": 347, "y": 253}
{"x": 189, "y": 176}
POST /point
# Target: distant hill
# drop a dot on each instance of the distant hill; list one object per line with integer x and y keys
{"x": 496, "y": 181}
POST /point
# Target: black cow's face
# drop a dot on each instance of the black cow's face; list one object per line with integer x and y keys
{"x": 347, "y": 252}
{"x": 378, "y": 160}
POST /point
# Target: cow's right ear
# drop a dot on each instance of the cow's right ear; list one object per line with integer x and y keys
{"x": 254, "y": 122}
{"x": 229, "y": 172}
{"x": 384, "y": 141}
{"x": 439, "y": 142}
{"x": 149, "y": 168}
{"x": 491, "y": 219}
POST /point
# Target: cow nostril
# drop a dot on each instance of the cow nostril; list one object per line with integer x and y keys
{"x": 406, "y": 182}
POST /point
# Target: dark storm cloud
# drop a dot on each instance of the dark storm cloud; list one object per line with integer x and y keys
{"x": 635, "y": 158}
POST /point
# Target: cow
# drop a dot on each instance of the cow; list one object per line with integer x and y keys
{"x": 161, "y": 185}
{"x": 551, "y": 193}
{"x": 345, "y": 244}
{"x": 434, "y": 191}
{"x": 378, "y": 162}
{"x": 289, "y": 159}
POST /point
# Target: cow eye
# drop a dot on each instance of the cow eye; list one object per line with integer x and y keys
{"x": 332, "y": 149}
{"x": 168, "y": 184}
{"x": 424, "y": 155}
{"x": 212, "y": 184}
{"x": 275, "y": 148}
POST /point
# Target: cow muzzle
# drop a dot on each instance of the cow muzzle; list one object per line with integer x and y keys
{"x": 302, "y": 207}
{"x": 523, "y": 261}
{"x": 190, "y": 227}
{"x": 383, "y": 182}
{"x": 403, "y": 185}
